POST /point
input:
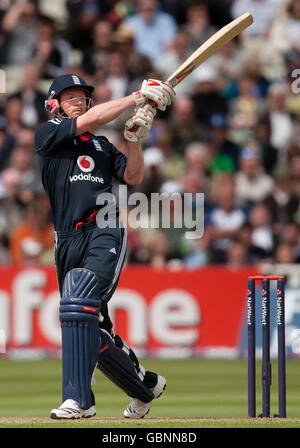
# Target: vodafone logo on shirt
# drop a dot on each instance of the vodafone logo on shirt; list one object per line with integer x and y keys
{"x": 86, "y": 163}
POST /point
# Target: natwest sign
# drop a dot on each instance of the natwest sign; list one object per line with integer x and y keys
{"x": 161, "y": 312}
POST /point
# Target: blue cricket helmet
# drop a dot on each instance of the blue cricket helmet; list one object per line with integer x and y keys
{"x": 61, "y": 83}
{"x": 67, "y": 81}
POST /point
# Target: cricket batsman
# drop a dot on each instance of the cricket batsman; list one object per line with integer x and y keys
{"x": 76, "y": 166}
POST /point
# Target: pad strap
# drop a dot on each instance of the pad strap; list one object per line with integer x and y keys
{"x": 116, "y": 365}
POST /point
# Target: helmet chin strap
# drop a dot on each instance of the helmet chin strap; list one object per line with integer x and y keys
{"x": 62, "y": 114}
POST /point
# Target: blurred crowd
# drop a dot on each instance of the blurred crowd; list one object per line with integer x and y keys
{"x": 233, "y": 132}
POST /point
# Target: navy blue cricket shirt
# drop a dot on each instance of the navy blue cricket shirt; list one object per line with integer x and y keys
{"x": 75, "y": 170}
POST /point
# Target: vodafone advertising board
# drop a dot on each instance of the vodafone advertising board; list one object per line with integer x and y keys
{"x": 164, "y": 313}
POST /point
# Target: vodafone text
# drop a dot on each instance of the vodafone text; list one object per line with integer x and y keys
{"x": 87, "y": 177}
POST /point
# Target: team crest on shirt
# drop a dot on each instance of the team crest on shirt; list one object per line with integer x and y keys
{"x": 86, "y": 163}
{"x": 97, "y": 144}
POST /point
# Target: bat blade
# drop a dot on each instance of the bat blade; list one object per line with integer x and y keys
{"x": 211, "y": 46}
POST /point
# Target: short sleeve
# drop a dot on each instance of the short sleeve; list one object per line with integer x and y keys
{"x": 118, "y": 163}
{"x": 54, "y": 133}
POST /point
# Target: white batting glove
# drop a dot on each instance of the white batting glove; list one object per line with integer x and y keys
{"x": 139, "y": 98}
{"x": 157, "y": 91}
{"x": 139, "y": 125}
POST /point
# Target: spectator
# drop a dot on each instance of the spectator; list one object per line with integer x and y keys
{"x": 262, "y": 135}
{"x": 161, "y": 136}
{"x": 295, "y": 175}
{"x": 24, "y": 137}
{"x": 32, "y": 239}
{"x": 222, "y": 146}
{"x": 7, "y": 142}
{"x": 184, "y": 127}
{"x": 236, "y": 255}
{"x": 83, "y": 16}
{"x": 207, "y": 98}
{"x": 153, "y": 172}
{"x": 161, "y": 255}
{"x": 173, "y": 167}
{"x": 217, "y": 180}
{"x": 246, "y": 107}
{"x": 284, "y": 254}
{"x": 22, "y": 161}
{"x": 117, "y": 78}
{"x": 198, "y": 255}
{"x": 117, "y": 11}
{"x": 198, "y": 25}
{"x": 137, "y": 64}
{"x": 20, "y": 26}
{"x": 263, "y": 11}
{"x": 13, "y": 115}
{"x": 262, "y": 234}
{"x": 96, "y": 55}
{"x": 33, "y": 111}
{"x": 252, "y": 183}
{"x": 10, "y": 209}
{"x": 294, "y": 147}
{"x": 290, "y": 235}
{"x": 219, "y": 11}
{"x": 137, "y": 253}
{"x": 252, "y": 68}
{"x": 255, "y": 254}
{"x": 193, "y": 182}
{"x": 154, "y": 30}
{"x": 282, "y": 127}
{"x": 176, "y": 9}
{"x": 285, "y": 30}
{"x": 174, "y": 215}
{"x": 197, "y": 158}
{"x": 228, "y": 62}
{"x": 50, "y": 53}
{"x": 218, "y": 163}
{"x": 102, "y": 94}
{"x": 282, "y": 202}
{"x": 175, "y": 55}
{"x": 223, "y": 220}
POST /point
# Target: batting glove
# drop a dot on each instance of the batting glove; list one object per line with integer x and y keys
{"x": 139, "y": 125}
{"x": 157, "y": 91}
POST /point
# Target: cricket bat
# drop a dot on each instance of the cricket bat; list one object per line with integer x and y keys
{"x": 211, "y": 46}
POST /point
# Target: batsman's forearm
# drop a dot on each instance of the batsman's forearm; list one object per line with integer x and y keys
{"x": 134, "y": 172}
{"x": 102, "y": 114}
{"x": 107, "y": 112}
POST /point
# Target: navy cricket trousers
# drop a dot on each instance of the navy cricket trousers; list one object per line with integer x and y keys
{"x": 102, "y": 251}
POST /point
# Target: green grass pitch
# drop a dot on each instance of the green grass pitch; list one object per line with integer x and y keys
{"x": 200, "y": 393}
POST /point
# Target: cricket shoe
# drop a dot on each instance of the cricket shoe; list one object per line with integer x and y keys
{"x": 137, "y": 408}
{"x": 71, "y": 410}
